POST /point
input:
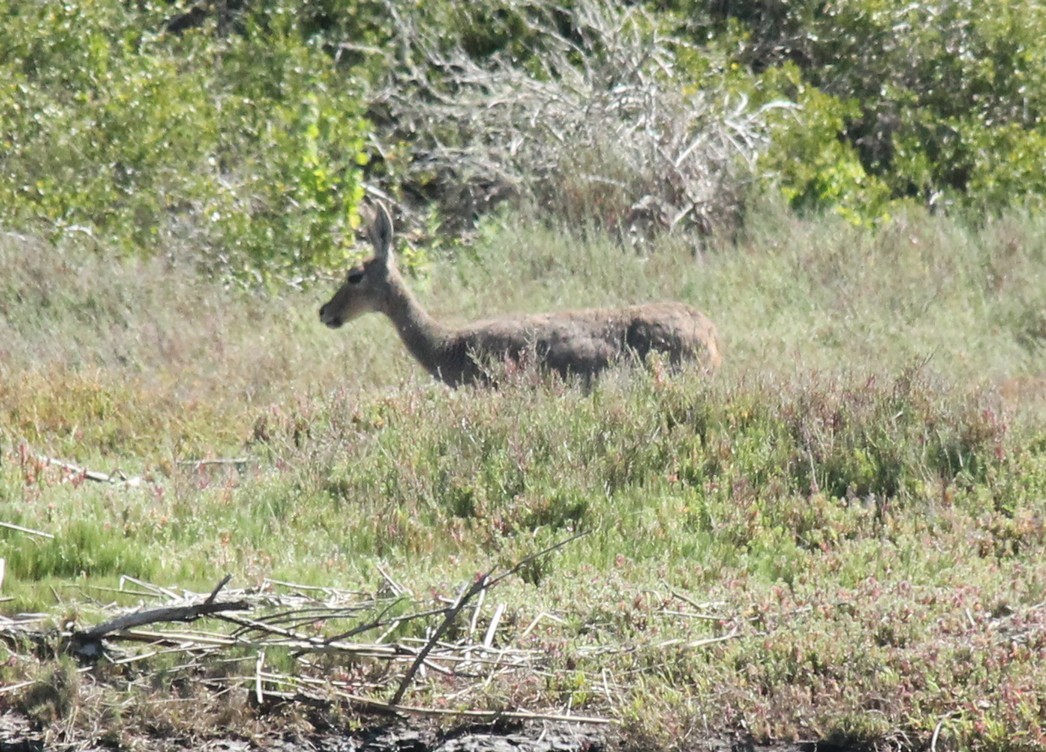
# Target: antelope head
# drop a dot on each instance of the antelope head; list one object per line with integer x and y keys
{"x": 366, "y": 286}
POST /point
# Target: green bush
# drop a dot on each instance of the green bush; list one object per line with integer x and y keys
{"x": 247, "y": 147}
{"x": 239, "y": 133}
{"x": 813, "y": 167}
{"x": 940, "y": 101}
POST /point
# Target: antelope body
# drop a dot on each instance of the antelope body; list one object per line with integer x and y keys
{"x": 579, "y": 343}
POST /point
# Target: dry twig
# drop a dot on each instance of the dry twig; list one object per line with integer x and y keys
{"x": 88, "y": 642}
{"x": 478, "y": 586}
{"x": 26, "y": 530}
{"x": 116, "y": 477}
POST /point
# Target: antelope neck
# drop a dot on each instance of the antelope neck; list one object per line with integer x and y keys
{"x": 424, "y": 337}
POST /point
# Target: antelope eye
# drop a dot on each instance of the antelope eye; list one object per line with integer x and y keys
{"x": 355, "y": 276}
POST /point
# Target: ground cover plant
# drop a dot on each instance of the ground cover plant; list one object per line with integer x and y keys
{"x": 840, "y": 536}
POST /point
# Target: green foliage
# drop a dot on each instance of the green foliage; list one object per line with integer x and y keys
{"x": 939, "y": 101}
{"x": 814, "y": 168}
{"x": 242, "y": 134}
{"x": 249, "y": 145}
{"x": 82, "y": 549}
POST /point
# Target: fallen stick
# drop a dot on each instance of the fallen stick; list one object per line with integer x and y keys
{"x": 477, "y": 586}
{"x": 373, "y": 705}
{"x": 483, "y": 715}
{"x": 26, "y": 530}
{"x": 480, "y": 584}
{"x": 88, "y": 641}
{"x": 116, "y": 477}
{"x": 216, "y": 461}
{"x": 197, "y": 464}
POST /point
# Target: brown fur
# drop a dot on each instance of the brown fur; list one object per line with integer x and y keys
{"x": 579, "y": 343}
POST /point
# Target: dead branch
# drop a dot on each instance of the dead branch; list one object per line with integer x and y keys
{"x": 116, "y": 476}
{"x": 480, "y": 584}
{"x": 88, "y": 642}
{"x": 372, "y": 705}
{"x": 477, "y": 586}
{"x": 217, "y": 588}
{"x": 26, "y": 530}
{"x": 196, "y": 464}
{"x": 600, "y": 125}
{"x": 299, "y": 624}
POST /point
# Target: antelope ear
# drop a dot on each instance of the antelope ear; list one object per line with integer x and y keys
{"x": 380, "y": 231}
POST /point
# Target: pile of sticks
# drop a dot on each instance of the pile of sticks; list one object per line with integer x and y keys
{"x": 328, "y": 645}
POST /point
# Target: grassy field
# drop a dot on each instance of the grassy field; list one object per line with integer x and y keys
{"x": 842, "y": 535}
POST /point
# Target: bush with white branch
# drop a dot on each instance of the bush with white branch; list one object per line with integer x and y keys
{"x": 594, "y": 121}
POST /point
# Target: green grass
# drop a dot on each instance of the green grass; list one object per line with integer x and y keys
{"x": 860, "y": 492}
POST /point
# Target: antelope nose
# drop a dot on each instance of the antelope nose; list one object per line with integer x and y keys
{"x": 329, "y": 317}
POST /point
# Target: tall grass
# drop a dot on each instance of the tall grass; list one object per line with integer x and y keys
{"x": 861, "y": 488}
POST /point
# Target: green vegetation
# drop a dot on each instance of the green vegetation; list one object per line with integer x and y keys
{"x": 840, "y": 536}
{"x": 247, "y": 145}
{"x": 936, "y": 100}
{"x": 247, "y": 130}
{"x": 858, "y": 495}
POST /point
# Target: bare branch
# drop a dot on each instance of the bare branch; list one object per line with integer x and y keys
{"x": 480, "y": 584}
{"x": 87, "y": 642}
{"x": 116, "y": 476}
{"x": 588, "y": 128}
{"x": 26, "y": 530}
